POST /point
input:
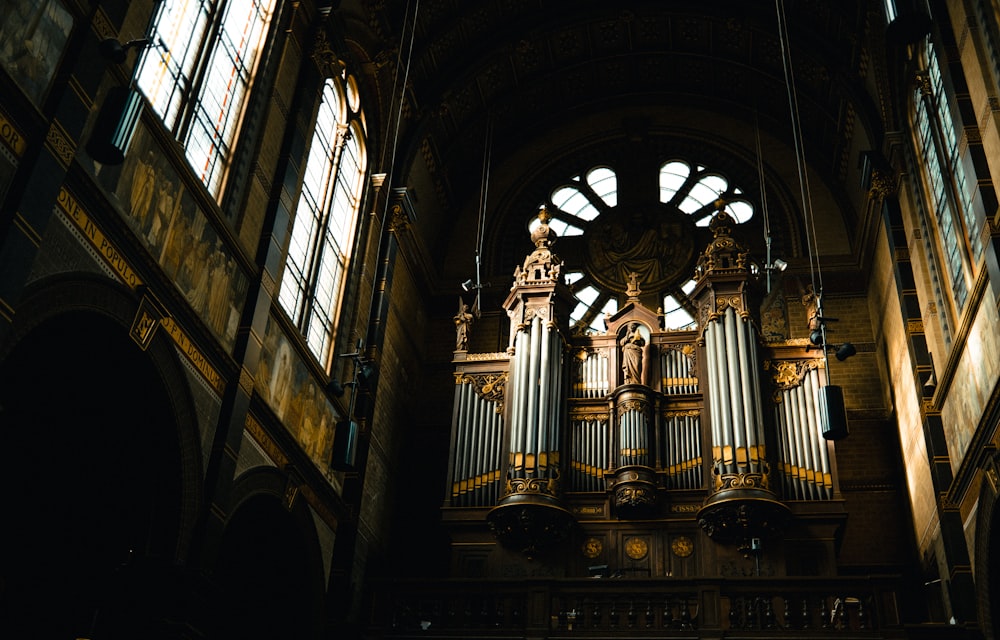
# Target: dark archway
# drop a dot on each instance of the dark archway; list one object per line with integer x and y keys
{"x": 987, "y": 558}
{"x": 269, "y": 568}
{"x": 92, "y": 481}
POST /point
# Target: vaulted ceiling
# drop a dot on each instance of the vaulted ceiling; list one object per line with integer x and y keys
{"x": 532, "y": 92}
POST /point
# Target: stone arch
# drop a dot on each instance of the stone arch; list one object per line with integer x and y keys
{"x": 987, "y": 549}
{"x": 269, "y": 566}
{"x": 103, "y": 463}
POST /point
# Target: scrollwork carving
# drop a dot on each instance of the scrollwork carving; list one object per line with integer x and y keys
{"x": 488, "y": 386}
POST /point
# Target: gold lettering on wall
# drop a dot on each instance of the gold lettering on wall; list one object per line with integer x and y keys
{"x": 71, "y": 207}
{"x": 11, "y": 136}
{"x": 115, "y": 260}
{"x": 261, "y": 437}
{"x": 193, "y": 355}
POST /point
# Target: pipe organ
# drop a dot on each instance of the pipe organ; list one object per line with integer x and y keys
{"x": 637, "y": 416}
{"x": 805, "y": 457}
{"x": 477, "y": 439}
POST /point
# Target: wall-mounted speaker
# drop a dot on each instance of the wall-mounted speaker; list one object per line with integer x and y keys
{"x": 115, "y": 124}
{"x": 832, "y": 412}
{"x": 345, "y": 446}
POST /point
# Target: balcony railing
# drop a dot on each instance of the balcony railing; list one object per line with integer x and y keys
{"x": 857, "y": 607}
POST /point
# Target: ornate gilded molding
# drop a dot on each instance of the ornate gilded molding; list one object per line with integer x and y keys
{"x": 923, "y": 82}
{"x": 532, "y": 486}
{"x": 634, "y": 491}
{"x": 60, "y": 144}
{"x": 630, "y": 406}
{"x": 246, "y": 381}
{"x": 499, "y": 355}
{"x": 882, "y": 186}
{"x": 488, "y": 386}
{"x": 752, "y": 480}
{"x": 688, "y": 413}
{"x": 398, "y": 220}
{"x": 789, "y": 374}
{"x": 591, "y": 416}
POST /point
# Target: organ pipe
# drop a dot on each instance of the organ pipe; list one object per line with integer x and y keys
{"x": 742, "y": 507}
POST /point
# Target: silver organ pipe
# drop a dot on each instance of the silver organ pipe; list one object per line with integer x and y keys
{"x": 801, "y": 429}
{"x": 532, "y": 441}
{"x": 478, "y": 444}
{"x": 536, "y": 397}
{"x": 821, "y": 460}
{"x": 589, "y": 450}
{"x": 733, "y": 362}
{"x": 805, "y": 456}
{"x": 747, "y": 374}
{"x": 477, "y": 434}
{"x": 682, "y": 458}
{"x": 456, "y": 428}
{"x": 591, "y": 374}
{"x": 789, "y": 487}
{"x": 554, "y": 399}
{"x": 544, "y": 393}
{"x": 734, "y": 393}
{"x": 715, "y": 407}
{"x": 515, "y": 393}
{"x": 676, "y": 373}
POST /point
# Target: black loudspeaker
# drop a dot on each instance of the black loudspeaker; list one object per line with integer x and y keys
{"x": 832, "y": 412}
{"x": 345, "y": 446}
{"x": 115, "y": 124}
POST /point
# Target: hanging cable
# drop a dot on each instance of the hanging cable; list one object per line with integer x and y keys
{"x": 815, "y": 273}
{"x": 814, "y": 268}
{"x": 768, "y": 265}
{"x": 484, "y": 188}
{"x": 400, "y": 88}
{"x": 398, "y": 92}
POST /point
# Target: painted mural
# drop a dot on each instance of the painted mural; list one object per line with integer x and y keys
{"x": 164, "y": 215}
{"x": 975, "y": 377}
{"x": 285, "y": 383}
{"x": 33, "y": 34}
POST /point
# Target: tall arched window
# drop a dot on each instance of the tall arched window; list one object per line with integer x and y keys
{"x": 958, "y": 244}
{"x": 197, "y": 75}
{"x": 652, "y": 239}
{"x": 325, "y": 219}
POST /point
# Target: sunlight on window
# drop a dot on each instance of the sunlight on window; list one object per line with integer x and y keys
{"x": 211, "y": 72}
{"x": 165, "y": 70}
{"x": 324, "y": 223}
{"x": 740, "y": 210}
{"x": 572, "y": 201}
{"x": 673, "y": 175}
{"x": 708, "y": 189}
{"x": 604, "y": 182}
{"x": 688, "y": 188}
{"x": 675, "y": 316}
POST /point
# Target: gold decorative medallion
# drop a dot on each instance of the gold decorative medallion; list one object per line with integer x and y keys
{"x": 636, "y": 548}
{"x": 682, "y": 546}
{"x": 592, "y": 548}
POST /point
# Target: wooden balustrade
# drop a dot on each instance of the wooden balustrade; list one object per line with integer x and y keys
{"x": 861, "y": 607}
